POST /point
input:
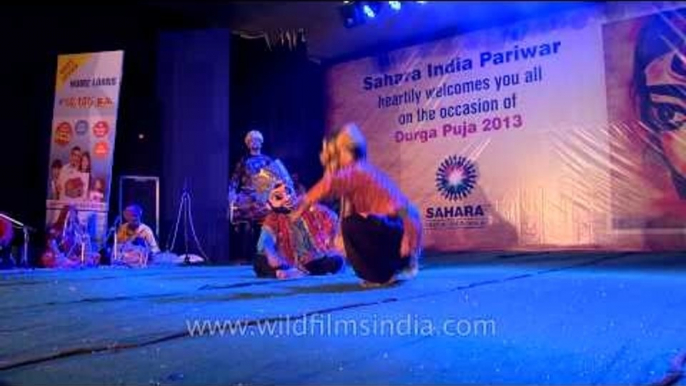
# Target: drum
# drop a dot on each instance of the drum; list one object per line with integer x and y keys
{"x": 269, "y": 176}
{"x": 133, "y": 255}
{"x": 251, "y": 204}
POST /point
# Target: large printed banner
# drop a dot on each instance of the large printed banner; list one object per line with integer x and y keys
{"x": 563, "y": 132}
{"x": 83, "y": 133}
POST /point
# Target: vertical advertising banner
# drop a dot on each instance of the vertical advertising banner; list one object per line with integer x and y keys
{"x": 83, "y": 133}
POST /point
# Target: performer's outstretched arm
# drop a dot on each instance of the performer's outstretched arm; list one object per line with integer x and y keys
{"x": 333, "y": 184}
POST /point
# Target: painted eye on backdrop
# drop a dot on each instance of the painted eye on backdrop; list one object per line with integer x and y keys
{"x": 678, "y": 65}
{"x": 667, "y": 116}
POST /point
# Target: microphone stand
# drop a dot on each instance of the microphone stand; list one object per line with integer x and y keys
{"x": 25, "y": 228}
{"x": 113, "y": 230}
{"x": 187, "y": 215}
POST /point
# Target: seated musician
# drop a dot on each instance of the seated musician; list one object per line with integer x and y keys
{"x": 68, "y": 243}
{"x": 289, "y": 249}
{"x": 6, "y": 236}
{"x": 136, "y": 241}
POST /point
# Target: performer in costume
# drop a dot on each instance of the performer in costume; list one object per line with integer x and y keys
{"x": 247, "y": 206}
{"x": 289, "y": 249}
{"x": 381, "y": 228}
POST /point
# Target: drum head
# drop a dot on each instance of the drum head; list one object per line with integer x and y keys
{"x": 269, "y": 176}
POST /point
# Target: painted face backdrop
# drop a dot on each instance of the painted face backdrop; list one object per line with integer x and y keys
{"x": 502, "y": 137}
{"x": 83, "y": 133}
{"x": 646, "y": 86}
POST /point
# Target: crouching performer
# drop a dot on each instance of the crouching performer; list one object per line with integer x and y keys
{"x": 381, "y": 228}
{"x": 289, "y": 249}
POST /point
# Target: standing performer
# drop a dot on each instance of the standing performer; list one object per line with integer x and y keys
{"x": 381, "y": 228}
{"x": 246, "y": 206}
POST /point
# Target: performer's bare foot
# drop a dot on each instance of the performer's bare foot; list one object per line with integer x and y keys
{"x": 409, "y": 272}
{"x": 291, "y": 273}
{"x": 405, "y": 274}
{"x": 372, "y": 284}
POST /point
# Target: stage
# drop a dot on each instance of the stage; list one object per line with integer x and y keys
{"x": 514, "y": 318}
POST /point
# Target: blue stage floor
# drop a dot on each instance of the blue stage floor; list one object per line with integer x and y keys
{"x": 481, "y": 318}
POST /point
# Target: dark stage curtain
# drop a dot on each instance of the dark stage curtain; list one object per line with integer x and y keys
{"x": 193, "y": 89}
{"x": 276, "y": 89}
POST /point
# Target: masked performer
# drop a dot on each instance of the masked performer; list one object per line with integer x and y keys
{"x": 381, "y": 228}
{"x": 292, "y": 249}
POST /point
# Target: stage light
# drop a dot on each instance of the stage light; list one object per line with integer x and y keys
{"x": 421, "y": 2}
{"x": 357, "y": 13}
{"x": 352, "y": 15}
{"x": 395, "y": 5}
{"x": 368, "y": 11}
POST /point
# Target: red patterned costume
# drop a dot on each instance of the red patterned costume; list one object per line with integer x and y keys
{"x": 305, "y": 240}
{"x": 288, "y": 248}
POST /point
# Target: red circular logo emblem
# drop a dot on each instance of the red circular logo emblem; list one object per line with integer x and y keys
{"x": 101, "y": 149}
{"x": 100, "y": 129}
{"x": 63, "y": 133}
